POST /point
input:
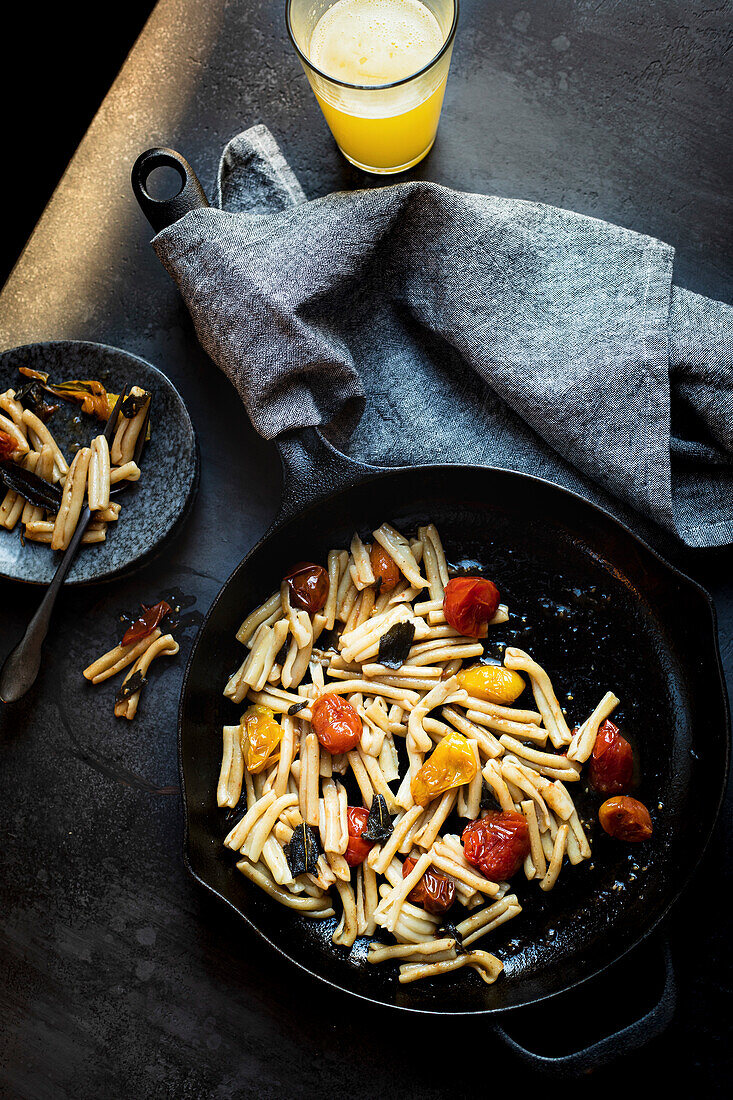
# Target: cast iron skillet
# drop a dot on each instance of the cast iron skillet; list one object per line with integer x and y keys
{"x": 595, "y": 605}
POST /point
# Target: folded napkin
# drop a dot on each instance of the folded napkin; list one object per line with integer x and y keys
{"x": 418, "y": 324}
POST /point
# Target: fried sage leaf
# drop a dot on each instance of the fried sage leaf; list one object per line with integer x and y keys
{"x": 132, "y": 404}
{"x": 450, "y": 931}
{"x": 31, "y": 487}
{"x": 379, "y": 824}
{"x": 231, "y": 815}
{"x": 303, "y": 851}
{"x": 31, "y": 397}
{"x": 394, "y": 646}
{"x": 135, "y": 683}
{"x": 488, "y": 798}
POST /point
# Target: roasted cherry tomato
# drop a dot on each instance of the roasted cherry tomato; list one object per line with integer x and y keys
{"x": 625, "y": 819}
{"x": 146, "y": 624}
{"x": 336, "y": 724}
{"x": 8, "y": 447}
{"x": 385, "y": 570}
{"x": 434, "y": 892}
{"x": 308, "y": 585}
{"x": 494, "y": 683}
{"x": 498, "y": 844}
{"x": 261, "y": 735}
{"x": 612, "y": 763}
{"x": 357, "y": 849}
{"x": 451, "y": 764}
{"x": 469, "y": 603}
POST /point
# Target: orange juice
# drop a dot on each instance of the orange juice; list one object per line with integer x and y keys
{"x": 378, "y": 70}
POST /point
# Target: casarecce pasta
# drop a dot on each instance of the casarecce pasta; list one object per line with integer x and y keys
{"x": 48, "y": 498}
{"x": 382, "y": 769}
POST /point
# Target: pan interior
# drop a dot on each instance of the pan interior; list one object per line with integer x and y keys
{"x": 599, "y": 611}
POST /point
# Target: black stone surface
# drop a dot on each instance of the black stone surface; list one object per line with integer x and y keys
{"x": 117, "y": 977}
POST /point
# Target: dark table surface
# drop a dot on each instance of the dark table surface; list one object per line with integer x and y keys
{"x": 117, "y": 976}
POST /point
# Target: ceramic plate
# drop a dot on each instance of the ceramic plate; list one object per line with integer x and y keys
{"x": 152, "y": 507}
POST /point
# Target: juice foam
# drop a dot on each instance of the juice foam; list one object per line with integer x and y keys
{"x": 372, "y": 42}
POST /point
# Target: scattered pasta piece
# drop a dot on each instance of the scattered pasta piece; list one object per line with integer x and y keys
{"x": 143, "y": 641}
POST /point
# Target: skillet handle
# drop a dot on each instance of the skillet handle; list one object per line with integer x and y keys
{"x": 622, "y": 1042}
{"x": 313, "y": 469}
{"x": 164, "y": 212}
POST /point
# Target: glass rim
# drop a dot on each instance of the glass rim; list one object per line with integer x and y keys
{"x": 372, "y": 87}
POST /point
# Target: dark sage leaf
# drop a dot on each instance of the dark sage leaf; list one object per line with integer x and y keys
{"x": 135, "y": 683}
{"x": 296, "y": 707}
{"x": 303, "y": 851}
{"x": 31, "y": 487}
{"x": 232, "y": 814}
{"x": 379, "y": 823}
{"x": 31, "y": 397}
{"x": 488, "y": 799}
{"x": 132, "y": 404}
{"x": 450, "y": 931}
{"x": 394, "y": 646}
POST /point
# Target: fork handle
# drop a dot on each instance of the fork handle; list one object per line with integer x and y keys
{"x": 22, "y": 665}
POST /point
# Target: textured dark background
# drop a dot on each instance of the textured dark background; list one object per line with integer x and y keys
{"x": 117, "y": 977}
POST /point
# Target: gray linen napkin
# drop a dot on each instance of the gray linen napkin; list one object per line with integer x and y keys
{"x": 418, "y": 324}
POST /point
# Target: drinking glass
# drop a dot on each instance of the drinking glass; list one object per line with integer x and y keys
{"x": 382, "y": 128}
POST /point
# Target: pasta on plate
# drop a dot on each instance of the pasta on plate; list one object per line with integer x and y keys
{"x": 48, "y": 508}
{"x": 384, "y": 771}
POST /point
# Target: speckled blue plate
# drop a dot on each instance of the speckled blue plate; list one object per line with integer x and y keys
{"x": 153, "y": 506}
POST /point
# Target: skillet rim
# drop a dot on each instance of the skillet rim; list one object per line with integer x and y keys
{"x": 371, "y": 473}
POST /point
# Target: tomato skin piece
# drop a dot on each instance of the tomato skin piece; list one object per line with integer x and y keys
{"x": 451, "y": 764}
{"x": 434, "y": 892}
{"x": 497, "y": 844}
{"x": 308, "y": 586}
{"x": 260, "y": 738}
{"x": 611, "y": 765}
{"x": 626, "y": 818}
{"x": 385, "y": 570}
{"x": 146, "y": 623}
{"x": 493, "y": 683}
{"x": 357, "y": 849}
{"x": 469, "y": 603}
{"x": 8, "y": 446}
{"x": 335, "y": 723}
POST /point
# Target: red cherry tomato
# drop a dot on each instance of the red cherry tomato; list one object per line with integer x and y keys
{"x": 434, "y": 892}
{"x": 147, "y": 622}
{"x": 469, "y": 603}
{"x": 498, "y": 844}
{"x": 626, "y": 819}
{"x": 8, "y": 446}
{"x": 308, "y": 585}
{"x": 336, "y": 724}
{"x": 357, "y": 849}
{"x": 612, "y": 763}
{"x": 385, "y": 570}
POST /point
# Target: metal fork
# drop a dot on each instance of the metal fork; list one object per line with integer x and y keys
{"x": 22, "y": 665}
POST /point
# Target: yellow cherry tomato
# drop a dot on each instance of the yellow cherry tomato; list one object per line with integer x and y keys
{"x": 450, "y": 765}
{"x": 261, "y": 735}
{"x": 492, "y": 683}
